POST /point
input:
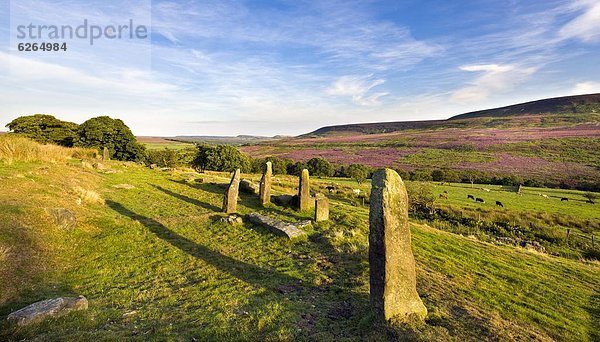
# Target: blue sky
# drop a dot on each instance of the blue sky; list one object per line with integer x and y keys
{"x": 289, "y": 67}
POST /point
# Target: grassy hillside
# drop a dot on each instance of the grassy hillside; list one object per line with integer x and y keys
{"x": 156, "y": 263}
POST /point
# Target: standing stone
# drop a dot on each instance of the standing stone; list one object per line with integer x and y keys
{"x": 231, "y": 194}
{"x": 105, "y": 154}
{"x": 265, "y": 184}
{"x": 392, "y": 265}
{"x": 304, "y": 191}
{"x": 321, "y": 209}
{"x": 47, "y": 308}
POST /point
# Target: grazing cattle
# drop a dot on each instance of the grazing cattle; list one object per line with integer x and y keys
{"x": 479, "y": 200}
{"x": 356, "y": 191}
{"x": 470, "y": 197}
{"x": 498, "y": 203}
{"x": 590, "y": 202}
{"x": 486, "y": 190}
{"x": 330, "y": 188}
{"x": 444, "y": 196}
{"x": 545, "y": 196}
{"x": 445, "y": 191}
{"x": 564, "y": 199}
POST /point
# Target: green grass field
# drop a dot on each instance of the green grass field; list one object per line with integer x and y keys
{"x": 156, "y": 264}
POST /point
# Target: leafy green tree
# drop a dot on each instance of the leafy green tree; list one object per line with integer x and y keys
{"x": 320, "y": 167}
{"x": 279, "y": 165}
{"x": 45, "y": 129}
{"x": 296, "y": 168}
{"x": 113, "y": 134}
{"x": 221, "y": 158}
{"x": 358, "y": 172}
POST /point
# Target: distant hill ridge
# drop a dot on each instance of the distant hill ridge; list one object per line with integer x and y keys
{"x": 546, "y": 106}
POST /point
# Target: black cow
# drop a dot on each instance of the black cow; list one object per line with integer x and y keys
{"x": 564, "y": 199}
{"x": 590, "y": 202}
{"x": 498, "y": 203}
{"x": 479, "y": 200}
{"x": 330, "y": 188}
{"x": 470, "y": 197}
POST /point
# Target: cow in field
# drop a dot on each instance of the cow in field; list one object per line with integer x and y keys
{"x": 479, "y": 200}
{"x": 564, "y": 199}
{"x": 470, "y": 197}
{"x": 444, "y": 196}
{"x": 330, "y": 188}
{"x": 498, "y": 203}
{"x": 590, "y": 201}
{"x": 545, "y": 196}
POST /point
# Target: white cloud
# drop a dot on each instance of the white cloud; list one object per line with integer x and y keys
{"x": 357, "y": 87}
{"x": 586, "y": 26}
{"x": 494, "y": 78}
{"x": 583, "y": 88}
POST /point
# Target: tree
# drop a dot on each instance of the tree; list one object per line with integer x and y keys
{"x": 221, "y": 158}
{"x": 113, "y": 134}
{"x": 296, "y": 168}
{"x": 45, "y": 129}
{"x": 279, "y": 165}
{"x": 358, "y": 172}
{"x": 320, "y": 167}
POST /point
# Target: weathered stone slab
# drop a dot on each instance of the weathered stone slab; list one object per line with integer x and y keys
{"x": 64, "y": 218}
{"x": 47, "y": 308}
{"x": 321, "y": 209}
{"x": 248, "y": 187}
{"x": 392, "y": 264}
{"x": 231, "y": 194}
{"x": 304, "y": 200}
{"x": 279, "y": 227}
{"x": 284, "y": 200}
{"x": 265, "y": 184}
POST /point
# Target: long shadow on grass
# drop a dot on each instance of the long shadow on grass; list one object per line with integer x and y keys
{"x": 268, "y": 278}
{"x": 188, "y": 199}
{"x": 594, "y": 311}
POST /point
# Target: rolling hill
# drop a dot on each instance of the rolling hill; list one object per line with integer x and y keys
{"x": 555, "y": 142}
{"x": 557, "y": 105}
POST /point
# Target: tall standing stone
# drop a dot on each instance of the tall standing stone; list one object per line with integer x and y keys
{"x": 231, "y": 194}
{"x": 304, "y": 191}
{"x": 321, "y": 209}
{"x": 105, "y": 154}
{"x": 392, "y": 264}
{"x": 265, "y": 184}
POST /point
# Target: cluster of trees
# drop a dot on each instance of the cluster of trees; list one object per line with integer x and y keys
{"x": 98, "y": 133}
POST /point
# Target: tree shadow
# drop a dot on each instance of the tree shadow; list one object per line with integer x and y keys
{"x": 188, "y": 199}
{"x": 252, "y": 274}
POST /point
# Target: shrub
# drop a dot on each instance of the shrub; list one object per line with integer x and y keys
{"x": 358, "y": 172}
{"x": 45, "y": 129}
{"x": 221, "y": 158}
{"x": 113, "y": 134}
{"x": 320, "y": 167}
{"x": 420, "y": 196}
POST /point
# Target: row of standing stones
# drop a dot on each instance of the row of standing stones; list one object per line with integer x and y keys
{"x": 392, "y": 265}
{"x": 392, "y": 275}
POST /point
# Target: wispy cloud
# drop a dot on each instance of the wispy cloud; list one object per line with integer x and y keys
{"x": 494, "y": 78}
{"x": 357, "y": 87}
{"x": 586, "y": 26}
